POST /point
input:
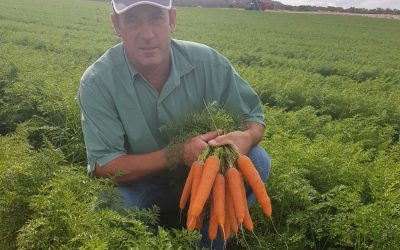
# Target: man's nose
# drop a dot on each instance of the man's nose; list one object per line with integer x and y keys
{"x": 146, "y": 31}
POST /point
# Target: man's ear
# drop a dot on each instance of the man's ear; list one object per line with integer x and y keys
{"x": 115, "y": 21}
{"x": 172, "y": 20}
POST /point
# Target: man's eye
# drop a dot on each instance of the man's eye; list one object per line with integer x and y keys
{"x": 157, "y": 18}
{"x": 131, "y": 19}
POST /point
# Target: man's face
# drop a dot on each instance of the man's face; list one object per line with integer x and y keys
{"x": 145, "y": 31}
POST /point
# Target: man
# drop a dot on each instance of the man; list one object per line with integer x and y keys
{"x": 147, "y": 81}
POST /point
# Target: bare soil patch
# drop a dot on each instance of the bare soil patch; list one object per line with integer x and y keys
{"x": 385, "y": 16}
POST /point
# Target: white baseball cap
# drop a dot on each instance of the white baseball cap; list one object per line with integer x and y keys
{"x": 121, "y": 6}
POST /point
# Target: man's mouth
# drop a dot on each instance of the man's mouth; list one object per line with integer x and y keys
{"x": 147, "y": 48}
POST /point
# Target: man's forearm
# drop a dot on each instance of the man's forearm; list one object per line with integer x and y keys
{"x": 128, "y": 168}
{"x": 255, "y": 131}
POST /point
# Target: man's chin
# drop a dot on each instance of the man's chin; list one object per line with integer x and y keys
{"x": 149, "y": 58}
{"x": 149, "y": 64}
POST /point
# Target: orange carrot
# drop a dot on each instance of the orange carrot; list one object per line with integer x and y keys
{"x": 227, "y": 226}
{"x": 219, "y": 199}
{"x": 188, "y": 185}
{"x": 231, "y": 213}
{"x": 199, "y": 222}
{"x": 213, "y": 226}
{"x": 195, "y": 182}
{"x": 191, "y": 219}
{"x": 247, "y": 221}
{"x": 255, "y": 182}
{"x": 191, "y": 222}
{"x": 210, "y": 171}
{"x": 233, "y": 177}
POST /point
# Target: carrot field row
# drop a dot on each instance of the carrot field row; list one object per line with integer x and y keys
{"x": 330, "y": 88}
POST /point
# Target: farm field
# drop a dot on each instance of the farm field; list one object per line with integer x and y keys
{"x": 330, "y": 86}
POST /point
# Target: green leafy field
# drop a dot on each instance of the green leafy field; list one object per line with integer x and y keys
{"x": 330, "y": 86}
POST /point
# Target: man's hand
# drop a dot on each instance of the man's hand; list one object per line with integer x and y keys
{"x": 241, "y": 141}
{"x": 193, "y": 147}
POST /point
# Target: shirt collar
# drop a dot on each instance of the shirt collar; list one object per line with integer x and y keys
{"x": 132, "y": 69}
{"x": 180, "y": 61}
{"x": 179, "y": 67}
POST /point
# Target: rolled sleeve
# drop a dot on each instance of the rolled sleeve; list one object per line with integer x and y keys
{"x": 102, "y": 130}
{"x": 252, "y": 104}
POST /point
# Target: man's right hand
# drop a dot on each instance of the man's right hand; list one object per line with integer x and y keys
{"x": 130, "y": 168}
{"x": 193, "y": 147}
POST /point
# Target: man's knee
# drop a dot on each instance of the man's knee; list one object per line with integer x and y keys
{"x": 132, "y": 197}
{"x": 139, "y": 194}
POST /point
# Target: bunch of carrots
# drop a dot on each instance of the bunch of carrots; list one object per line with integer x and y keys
{"x": 216, "y": 181}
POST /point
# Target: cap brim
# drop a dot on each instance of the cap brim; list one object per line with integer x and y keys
{"x": 123, "y": 7}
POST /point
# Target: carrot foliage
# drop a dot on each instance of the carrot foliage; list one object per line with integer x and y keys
{"x": 196, "y": 123}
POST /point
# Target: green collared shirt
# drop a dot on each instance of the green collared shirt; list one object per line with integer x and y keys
{"x": 122, "y": 113}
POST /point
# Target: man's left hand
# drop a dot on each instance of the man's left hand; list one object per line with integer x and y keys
{"x": 241, "y": 141}
{"x": 238, "y": 140}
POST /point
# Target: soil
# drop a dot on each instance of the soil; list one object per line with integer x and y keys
{"x": 385, "y": 16}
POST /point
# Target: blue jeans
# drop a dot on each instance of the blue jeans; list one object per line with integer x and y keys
{"x": 165, "y": 193}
